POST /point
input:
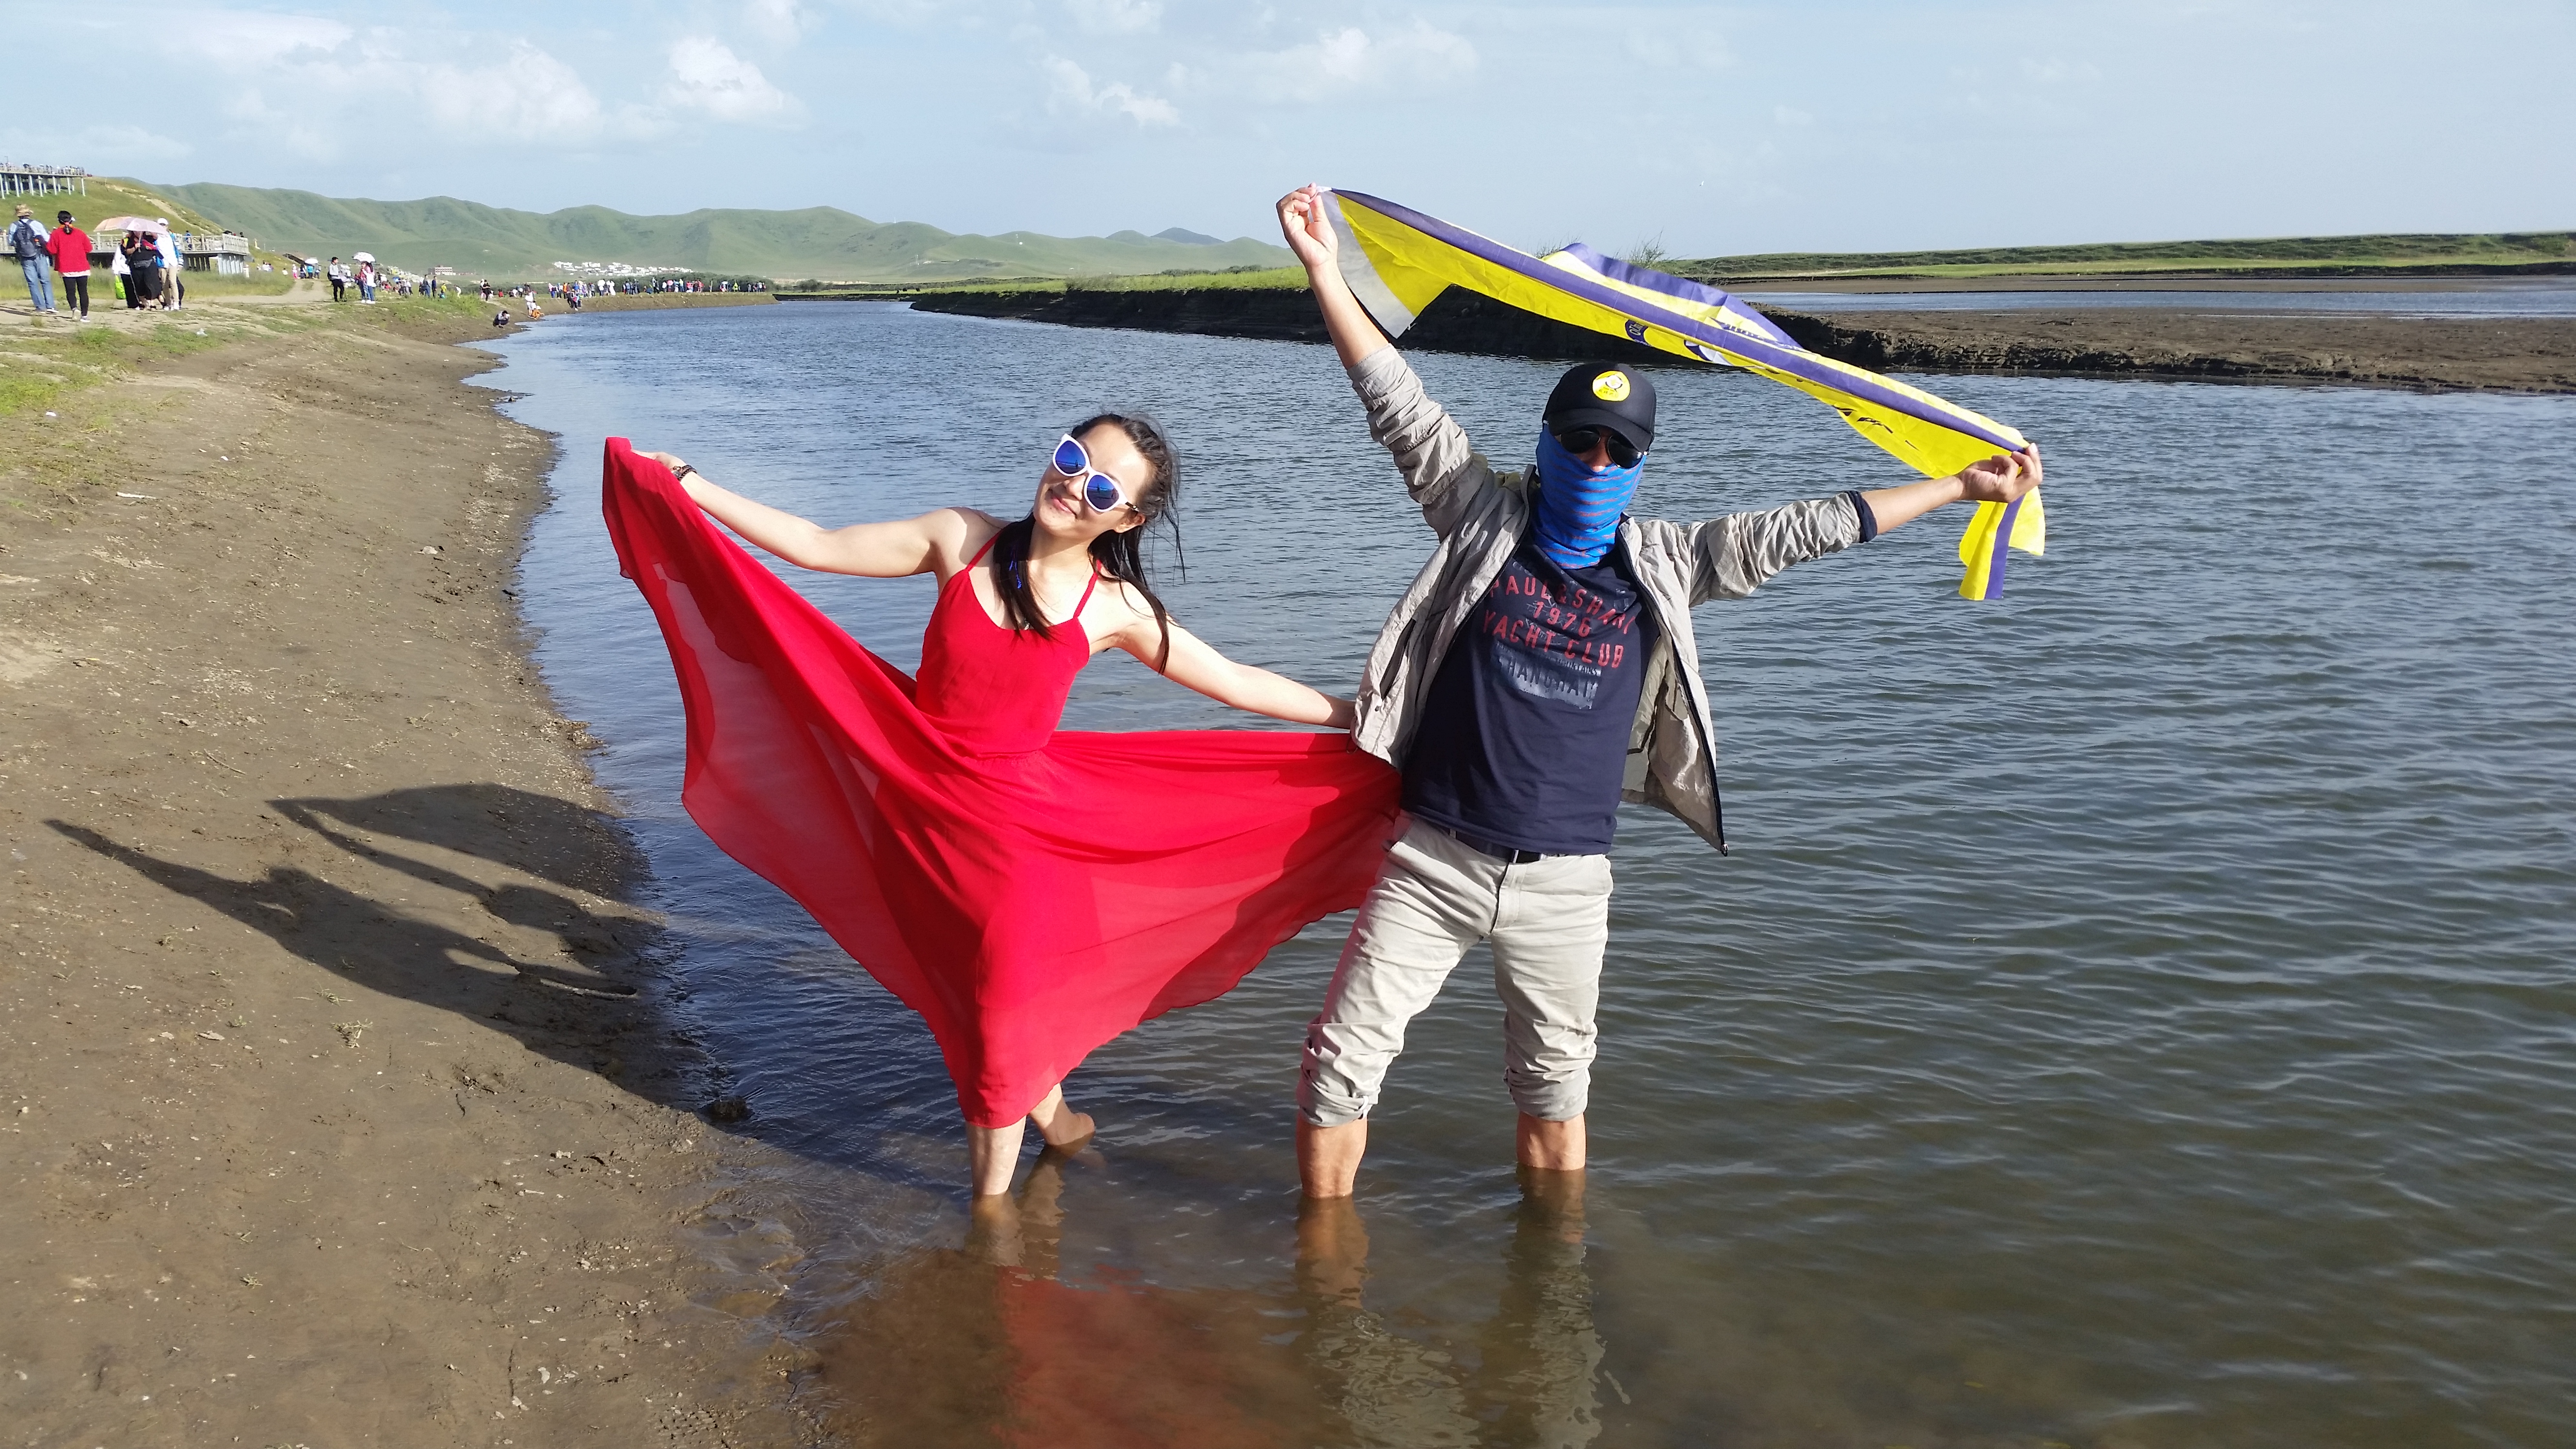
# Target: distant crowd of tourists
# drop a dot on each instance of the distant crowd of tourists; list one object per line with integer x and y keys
{"x": 146, "y": 271}
{"x": 144, "y": 267}
{"x": 366, "y": 278}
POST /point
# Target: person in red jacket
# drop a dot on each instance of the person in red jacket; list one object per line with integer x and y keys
{"x": 69, "y": 247}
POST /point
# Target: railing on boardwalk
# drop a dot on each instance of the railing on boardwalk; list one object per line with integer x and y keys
{"x": 21, "y": 179}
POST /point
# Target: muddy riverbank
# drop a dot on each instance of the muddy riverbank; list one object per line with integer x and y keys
{"x": 341, "y": 1109}
{"x": 2535, "y": 354}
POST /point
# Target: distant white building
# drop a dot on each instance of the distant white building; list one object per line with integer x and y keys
{"x": 613, "y": 269}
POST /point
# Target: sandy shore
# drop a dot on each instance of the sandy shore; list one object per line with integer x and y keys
{"x": 663, "y": 302}
{"x": 339, "y": 1108}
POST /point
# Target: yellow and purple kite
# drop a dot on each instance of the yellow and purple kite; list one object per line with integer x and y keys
{"x": 1397, "y": 260}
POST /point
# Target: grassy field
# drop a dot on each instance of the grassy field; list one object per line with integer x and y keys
{"x": 2394, "y": 254}
{"x": 816, "y": 241}
{"x": 1250, "y": 279}
{"x": 45, "y": 362}
{"x": 2540, "y": 253}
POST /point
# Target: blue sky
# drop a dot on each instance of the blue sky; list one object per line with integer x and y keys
{"x": 1716, "y": 129}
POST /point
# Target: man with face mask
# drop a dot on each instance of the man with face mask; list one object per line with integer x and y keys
{"x": 1540, "y": 670}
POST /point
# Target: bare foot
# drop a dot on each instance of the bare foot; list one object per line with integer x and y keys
{"x": 993, "y": 1231}
{"x": 1064, "y": 1129}
{"x": 1069, "y": 1131}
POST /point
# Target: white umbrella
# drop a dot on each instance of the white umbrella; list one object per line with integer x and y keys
{"x": 362, "y": 256}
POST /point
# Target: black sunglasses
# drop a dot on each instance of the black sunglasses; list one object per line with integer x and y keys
{"x": 1579, "y": 441}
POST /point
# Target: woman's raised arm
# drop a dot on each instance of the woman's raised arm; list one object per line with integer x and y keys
{"x": 1195, "y": 663}
{"x": 936, "y": 542}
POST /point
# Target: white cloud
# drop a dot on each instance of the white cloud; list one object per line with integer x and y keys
{"x": 127, "y": 148}
{"x": 1699, "y": 50}
{"x": 778, "y": 20}
{"x": 252, "y": 39}
{"x": 707, "y": 76}
{"x": 1420, "y": 55}
{"x": 529, "y": 97}
{"x": 321, "y": 86}
{"x": 1070, "y": 89}
{"x": 2057, "y": 70}
{"x": 1792, "y": 116}
{"x": 1115, "y": 17}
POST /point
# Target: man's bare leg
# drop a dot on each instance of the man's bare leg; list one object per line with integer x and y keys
{"x": 1332, "y": 1249}
{"x": 1328, "y": 1158}
{"x": 1552, "y": 1146}
{"x": 1557, "y": 1199}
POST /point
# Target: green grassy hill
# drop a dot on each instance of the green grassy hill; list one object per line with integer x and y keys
{"x": 2362, "y": 255}
{"x": 819, "y": 241}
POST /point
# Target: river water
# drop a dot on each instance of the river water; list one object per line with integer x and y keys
{"x": 2138, "y": 1011}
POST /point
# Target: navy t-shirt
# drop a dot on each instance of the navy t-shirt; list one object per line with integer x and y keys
{"x": 1524, "y": 737}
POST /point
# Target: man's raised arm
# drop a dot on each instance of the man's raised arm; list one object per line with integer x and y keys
{"x": 1310, "y": 236}
{"x": 1735, "y": 554}
{"x": 2000, "y": 479}
{"x": 1441, "y": 470}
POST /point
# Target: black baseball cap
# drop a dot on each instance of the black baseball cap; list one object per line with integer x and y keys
{"x": 1611, "y": 395}
{"x": 64, "y": 217}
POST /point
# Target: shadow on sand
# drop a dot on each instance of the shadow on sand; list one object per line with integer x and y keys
{"x": 587, "y": 1009}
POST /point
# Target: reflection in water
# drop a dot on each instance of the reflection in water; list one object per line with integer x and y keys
{"x": 1531, "y": 1380}
{"x": 1542, "y": 1355}
{"x": 1002, "y": 1342}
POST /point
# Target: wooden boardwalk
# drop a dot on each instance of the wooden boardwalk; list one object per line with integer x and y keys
{"x": 20, "y": 179}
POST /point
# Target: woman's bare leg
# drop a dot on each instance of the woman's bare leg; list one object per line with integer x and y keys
{"x": 993, "y": 1154}
{"x": 1064, "y": 1129}
{"x": 993, "y": 1232}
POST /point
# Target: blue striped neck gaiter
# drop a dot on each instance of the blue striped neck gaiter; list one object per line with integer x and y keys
{"x": 1578, "y": 509}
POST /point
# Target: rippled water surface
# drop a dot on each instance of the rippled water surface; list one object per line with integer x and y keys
{"x": 2137, "y": 1012}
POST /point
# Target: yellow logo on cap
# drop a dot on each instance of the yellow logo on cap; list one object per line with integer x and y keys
{"x": 1611, "y": 387}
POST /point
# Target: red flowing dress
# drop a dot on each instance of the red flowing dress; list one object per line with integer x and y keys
{"x": 1032, "y": 892}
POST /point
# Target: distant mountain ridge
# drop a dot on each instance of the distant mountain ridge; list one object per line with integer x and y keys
{"x": 821, "y": 241}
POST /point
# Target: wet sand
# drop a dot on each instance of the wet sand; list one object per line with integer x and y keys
{"x": 2372, "y": 282}
{"x": 339, "y": 1108}
{"x": 2485, "y": 354}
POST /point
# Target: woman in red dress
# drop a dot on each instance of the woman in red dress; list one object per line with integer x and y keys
{"x": 1030, "y": 892}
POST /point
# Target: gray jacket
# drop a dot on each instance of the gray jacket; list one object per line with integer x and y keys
{"x": 1480, "y": 516}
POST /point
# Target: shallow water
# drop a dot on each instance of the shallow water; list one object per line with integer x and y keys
{"x": 2137, "y": 1012}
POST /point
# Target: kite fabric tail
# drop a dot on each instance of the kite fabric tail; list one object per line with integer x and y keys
{"x": 1397, "y": 260}
{"x": 1994, "y": 530}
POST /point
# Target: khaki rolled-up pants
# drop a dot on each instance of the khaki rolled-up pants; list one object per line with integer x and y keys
{"x": 1435, "y": 897}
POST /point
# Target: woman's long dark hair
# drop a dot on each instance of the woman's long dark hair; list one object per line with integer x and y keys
{"x": 1120, "y": 555}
